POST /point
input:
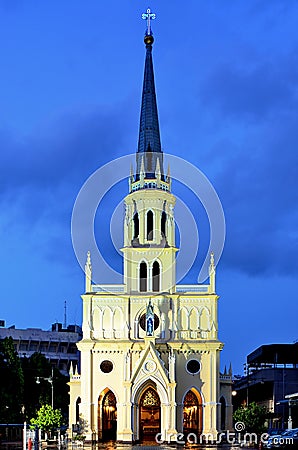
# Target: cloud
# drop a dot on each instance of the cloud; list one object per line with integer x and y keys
{"x": 251, "y": 92}
{"x": 60, "y": 157}
{"x": 258, "y": 188}
{"x": 41, "y": 175}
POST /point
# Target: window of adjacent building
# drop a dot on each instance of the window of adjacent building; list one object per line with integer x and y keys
{"x": 156, "y": 277}
{"x": 143, "y": 277}
{"x": 33, "y": 346}
{"x": 149, "y": 226}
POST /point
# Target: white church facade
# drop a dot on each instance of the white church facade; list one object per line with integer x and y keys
{"x": 150, "y": 350}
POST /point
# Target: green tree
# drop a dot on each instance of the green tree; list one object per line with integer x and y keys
{"x": 47, "y": 419}
{"x": 252, "y": 416}
{"x": 38, "y": 394}
{"x": 11, "y": 383}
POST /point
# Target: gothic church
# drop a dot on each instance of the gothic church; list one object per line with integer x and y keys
{"x": 150, "y": 348}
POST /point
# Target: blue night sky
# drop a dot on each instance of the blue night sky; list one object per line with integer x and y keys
{"x": 226, "y": 79}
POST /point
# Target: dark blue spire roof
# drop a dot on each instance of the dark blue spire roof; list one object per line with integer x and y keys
{"x": 149, "y": 146}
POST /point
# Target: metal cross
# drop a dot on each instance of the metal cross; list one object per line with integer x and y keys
{"x": 148, "y": 16}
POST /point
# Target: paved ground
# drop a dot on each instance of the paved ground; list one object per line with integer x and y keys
{"x": 111, "y": 445}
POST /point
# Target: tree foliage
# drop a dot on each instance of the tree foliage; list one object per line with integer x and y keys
{"x": 253, "y": 416}
{"x": 36, "y": 394}
{"x": 20, "y": 395}
{"x": 47, "y": 418}
{"x": 11, "y": 383}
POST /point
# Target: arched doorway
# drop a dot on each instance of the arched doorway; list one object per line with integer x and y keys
{"x": 192, "y": 413}
{"x": 107, "y": 416}
{"x": 149, "y": 415}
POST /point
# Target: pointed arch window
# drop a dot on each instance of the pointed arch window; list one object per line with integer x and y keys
{"x": 163, "y": 223}
{"x": 143, "y": 277}
{"x": 156, "y": 277}
{"x": 136, "y": 226}
{"x": 149, "y": 226}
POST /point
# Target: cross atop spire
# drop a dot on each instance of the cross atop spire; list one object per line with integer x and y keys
{"x": 148, "y": 15}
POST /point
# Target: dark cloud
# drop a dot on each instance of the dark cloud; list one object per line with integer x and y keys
{"x": 252, "y": 105}
{"x": 258, "y": 187}
{"x": 251, "y": 93}
{"x": 11, "y": 5}
{"x": 74, "y": 145}
{"x": 41, "y": 169}
{"x": 41, "y": 175}
{"x": 273, "y": 8}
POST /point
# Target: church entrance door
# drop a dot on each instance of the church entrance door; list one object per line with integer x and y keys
{"x": 149, "y": 415}
{"x": 192, "y": 413}
{"x": 109, "y": 417}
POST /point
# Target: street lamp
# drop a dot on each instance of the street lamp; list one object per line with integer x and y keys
{"x": 51, "y": 381}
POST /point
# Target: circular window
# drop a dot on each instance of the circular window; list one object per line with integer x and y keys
{"x": 193, "y": 366}
{"x": 143, "y": 322}
{"x": 106, "y": 366}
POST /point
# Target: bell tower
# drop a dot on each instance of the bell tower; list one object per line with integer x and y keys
{"x": 149, "y": 227}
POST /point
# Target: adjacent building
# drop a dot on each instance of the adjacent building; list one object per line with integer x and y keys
{"x": 272, "y": 381}
{"x": 150, "y": 353}
{"x": 58, "y": 345}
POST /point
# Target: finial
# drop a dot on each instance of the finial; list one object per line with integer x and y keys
{"x": 88, "y": 258}
{"x": 157, "y": 169}
{"x": 88, "y": 272}
{"x": 212, "y": 273}
{"x": 142, "y": 170}
{"x": 230, "y": 369}
{"x": 131, "y": 178}
{"x": 212, "y": 259}
{"x": 169, "y": 171}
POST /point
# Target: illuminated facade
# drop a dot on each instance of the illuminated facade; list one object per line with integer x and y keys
{"x": 150, "y": 348}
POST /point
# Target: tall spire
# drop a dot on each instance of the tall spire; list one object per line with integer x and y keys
{"x": 149, "y": 136}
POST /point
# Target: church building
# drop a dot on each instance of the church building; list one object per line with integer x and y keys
{"x": 150, "y": 350}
